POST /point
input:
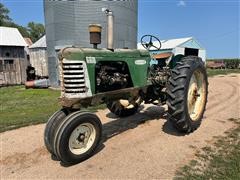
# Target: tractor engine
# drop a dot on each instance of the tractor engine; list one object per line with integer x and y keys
{"x": 112, "y": 76}
{"x": 159, "y": 75}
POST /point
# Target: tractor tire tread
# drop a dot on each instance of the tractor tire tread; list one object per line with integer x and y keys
{"x": 176, "y": 92}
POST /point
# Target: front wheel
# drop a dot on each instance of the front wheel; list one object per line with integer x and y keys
{"x": 187, "y": 91}
{"x": 77, "y": 137}
{"x": 51, "y": 126}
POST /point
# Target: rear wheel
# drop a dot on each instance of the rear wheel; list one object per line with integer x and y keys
{"x": 122, "y": 108}
{"x": 187, "y": 94}
{"x": 77, "y": 137}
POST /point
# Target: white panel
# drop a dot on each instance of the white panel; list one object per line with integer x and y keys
{"x": 179, "y": 50}
{"x": 202, "y": 54}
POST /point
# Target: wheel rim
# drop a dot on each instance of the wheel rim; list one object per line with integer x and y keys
{"x": 82, "y": 138}
{"x": 196, "y": 95}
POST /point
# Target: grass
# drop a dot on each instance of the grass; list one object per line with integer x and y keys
{"x": 220, "y": 161}
{"x": 214, "y": 72}
{"x": 20, "y": 107}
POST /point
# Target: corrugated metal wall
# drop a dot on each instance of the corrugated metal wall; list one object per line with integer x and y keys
{"x": 67, "y": 24}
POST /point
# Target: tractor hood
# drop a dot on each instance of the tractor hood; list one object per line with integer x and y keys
{"x": 75, "y": 53}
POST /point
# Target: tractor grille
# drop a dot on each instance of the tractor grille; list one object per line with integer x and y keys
{"x": 73, "y": 80}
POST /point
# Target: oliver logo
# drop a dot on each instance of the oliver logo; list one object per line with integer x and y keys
{"x": 140, "y": 62}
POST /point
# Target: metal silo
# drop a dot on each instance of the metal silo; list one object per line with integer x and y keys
{"x": 67, "y": 24}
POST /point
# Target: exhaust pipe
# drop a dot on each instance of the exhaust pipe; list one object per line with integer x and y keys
{"x": 110, "y": 30}
{"x": 110, "y": 21}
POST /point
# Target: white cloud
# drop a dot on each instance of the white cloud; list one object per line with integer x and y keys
{"x": 181, "y": 3}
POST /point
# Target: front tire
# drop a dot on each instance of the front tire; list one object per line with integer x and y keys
{"x": 77, "y": 137}
{"x": 187, "y": 91}
{"x": 53, "y": 122}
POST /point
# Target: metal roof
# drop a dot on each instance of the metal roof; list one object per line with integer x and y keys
{"x": 28, "y": 41}
{"x": 11, "y": 37}
{"x": 169, "y": 44}
{"x": 41, "y": 43}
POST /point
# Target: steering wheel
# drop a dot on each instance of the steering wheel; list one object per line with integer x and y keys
{"x": 150, "y": 41}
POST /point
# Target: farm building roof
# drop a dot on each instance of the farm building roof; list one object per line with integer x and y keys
{"x": 11, "y": 37}
{"x": 28, "y": 41}
{"x": 171, "y": 43}
{"x": 41, "y": 43}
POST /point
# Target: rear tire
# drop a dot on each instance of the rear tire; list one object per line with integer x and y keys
{"x": 77, "y": 137}
{"x": 187, "y": 91}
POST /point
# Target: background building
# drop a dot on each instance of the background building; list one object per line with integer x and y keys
{"x": 13, "y": 60}
{"x": 183, "y": 46}
{"x": 67, "y": 24}
{"x": 38, "y": 57}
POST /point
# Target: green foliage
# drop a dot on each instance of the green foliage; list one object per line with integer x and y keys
{"x": 36, "y": 30}
{"x": 4, "y": 15}
{"x": 232, "y": 63}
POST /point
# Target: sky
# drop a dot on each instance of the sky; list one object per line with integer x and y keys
{"x": 214, "y": 23}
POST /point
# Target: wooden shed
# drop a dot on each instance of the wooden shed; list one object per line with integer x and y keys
{"x": 13, "y": 61}
{"x": 38, "y": 57}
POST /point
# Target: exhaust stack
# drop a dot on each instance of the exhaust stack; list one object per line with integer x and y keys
{"x": 110, "y": 30}
{"x": 110, "y": 22}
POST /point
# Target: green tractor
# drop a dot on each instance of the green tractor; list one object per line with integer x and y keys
{"x": 122, "y": 79}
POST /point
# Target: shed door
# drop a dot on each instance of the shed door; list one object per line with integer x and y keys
{"x": 191, "y": 52}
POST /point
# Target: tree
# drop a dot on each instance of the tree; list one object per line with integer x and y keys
{"x": 33, "y": 30}
{"x": 6, "y": 21}
{"x": 4, "y": 18}
{"x": 36, "y": 30}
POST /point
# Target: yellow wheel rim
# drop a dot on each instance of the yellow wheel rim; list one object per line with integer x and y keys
{"x": 196, "y": 95}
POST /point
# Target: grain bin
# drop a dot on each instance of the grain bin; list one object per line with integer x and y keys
{"x": 67, "y": 24}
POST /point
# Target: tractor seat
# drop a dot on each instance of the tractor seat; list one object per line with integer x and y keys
{"x": 162, "y": 56}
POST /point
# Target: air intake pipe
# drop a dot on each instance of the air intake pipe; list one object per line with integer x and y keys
{"x": 95, "y": 31}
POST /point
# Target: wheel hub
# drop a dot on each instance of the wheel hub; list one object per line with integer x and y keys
{"x": 82, "y": 138}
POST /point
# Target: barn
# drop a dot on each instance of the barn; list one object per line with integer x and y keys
{"x": 38, "y": 57}
{"x": 13, "y": 60}
{"x": 182, "y": 46}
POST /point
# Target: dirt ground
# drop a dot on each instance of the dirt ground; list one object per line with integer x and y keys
{"x": 138, "y": 147}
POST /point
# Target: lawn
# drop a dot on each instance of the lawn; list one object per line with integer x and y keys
{"x": 22, "y": 107}
{"x": 219, "y": 161}
{"x": 213, "y": 72}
